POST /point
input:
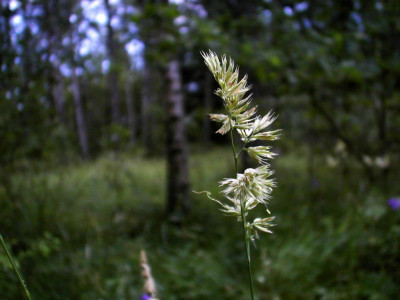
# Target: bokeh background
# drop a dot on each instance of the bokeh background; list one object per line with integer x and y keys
{"x": 104, "y": 133}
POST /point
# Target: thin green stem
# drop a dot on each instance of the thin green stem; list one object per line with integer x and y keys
{"x": 235, "y": 157}
{"x": 15, "y": 268}
{"x": 241, "y": 150}
{"x": 247, "y": 245}
{"x": 242, "y": 211}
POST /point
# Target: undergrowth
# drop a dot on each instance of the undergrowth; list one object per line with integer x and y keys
{"x": 76, "y": 233}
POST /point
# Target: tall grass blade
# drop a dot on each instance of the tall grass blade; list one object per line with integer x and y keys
{"x": 21, "y": 280}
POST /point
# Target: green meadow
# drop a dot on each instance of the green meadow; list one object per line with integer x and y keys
{"x": 76, "y": 233}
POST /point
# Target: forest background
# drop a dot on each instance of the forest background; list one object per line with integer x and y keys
{"x": 104, "y": 133}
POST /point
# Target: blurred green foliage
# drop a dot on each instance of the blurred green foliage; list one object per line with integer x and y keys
{"x": 330, "y": 69}
{"x": 77, "y": 232}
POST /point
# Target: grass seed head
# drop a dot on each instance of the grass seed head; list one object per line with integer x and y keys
{"x": 253, "y": 186}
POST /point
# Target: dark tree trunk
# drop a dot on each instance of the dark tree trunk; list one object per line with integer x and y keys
{"x": 112, "y": 77}
{"x": 80, "y": 117}
{"x": 6, "y": 45}
{"x": 59, "y": 98}
{"x": 178, "y": 202}
{"x": 207, "y": 107}
{"x": 148, "y": 99}
{"x": 114, "y": 96}
{"x": 26, "y": 51}
{"x": 130, "y": 108}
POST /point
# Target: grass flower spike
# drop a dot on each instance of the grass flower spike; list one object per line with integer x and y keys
{"x": 149, "y": 283}
{"x": 253, "y": 186}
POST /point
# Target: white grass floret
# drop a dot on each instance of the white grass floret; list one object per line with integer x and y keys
{"x": 253, "y": 186}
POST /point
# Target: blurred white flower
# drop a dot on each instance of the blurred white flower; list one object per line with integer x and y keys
{"x": 331, "y": 161}
{"x": 382, "y": 162}
{"x": 368, "y": 160}
{"x": 340, "y": 147}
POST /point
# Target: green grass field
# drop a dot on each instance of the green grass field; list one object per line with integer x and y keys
{"x": 76, "y": 233}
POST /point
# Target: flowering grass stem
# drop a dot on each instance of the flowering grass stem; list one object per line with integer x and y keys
{"x": 235, "y": 156}
{"x": 254, "y": 186}
{"x": 243, "y": 215}
{"x": 21, "y": 280}
{"x": 247, "y": 245}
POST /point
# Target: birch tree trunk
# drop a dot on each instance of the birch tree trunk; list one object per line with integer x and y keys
{"x": 178, "y": 201}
